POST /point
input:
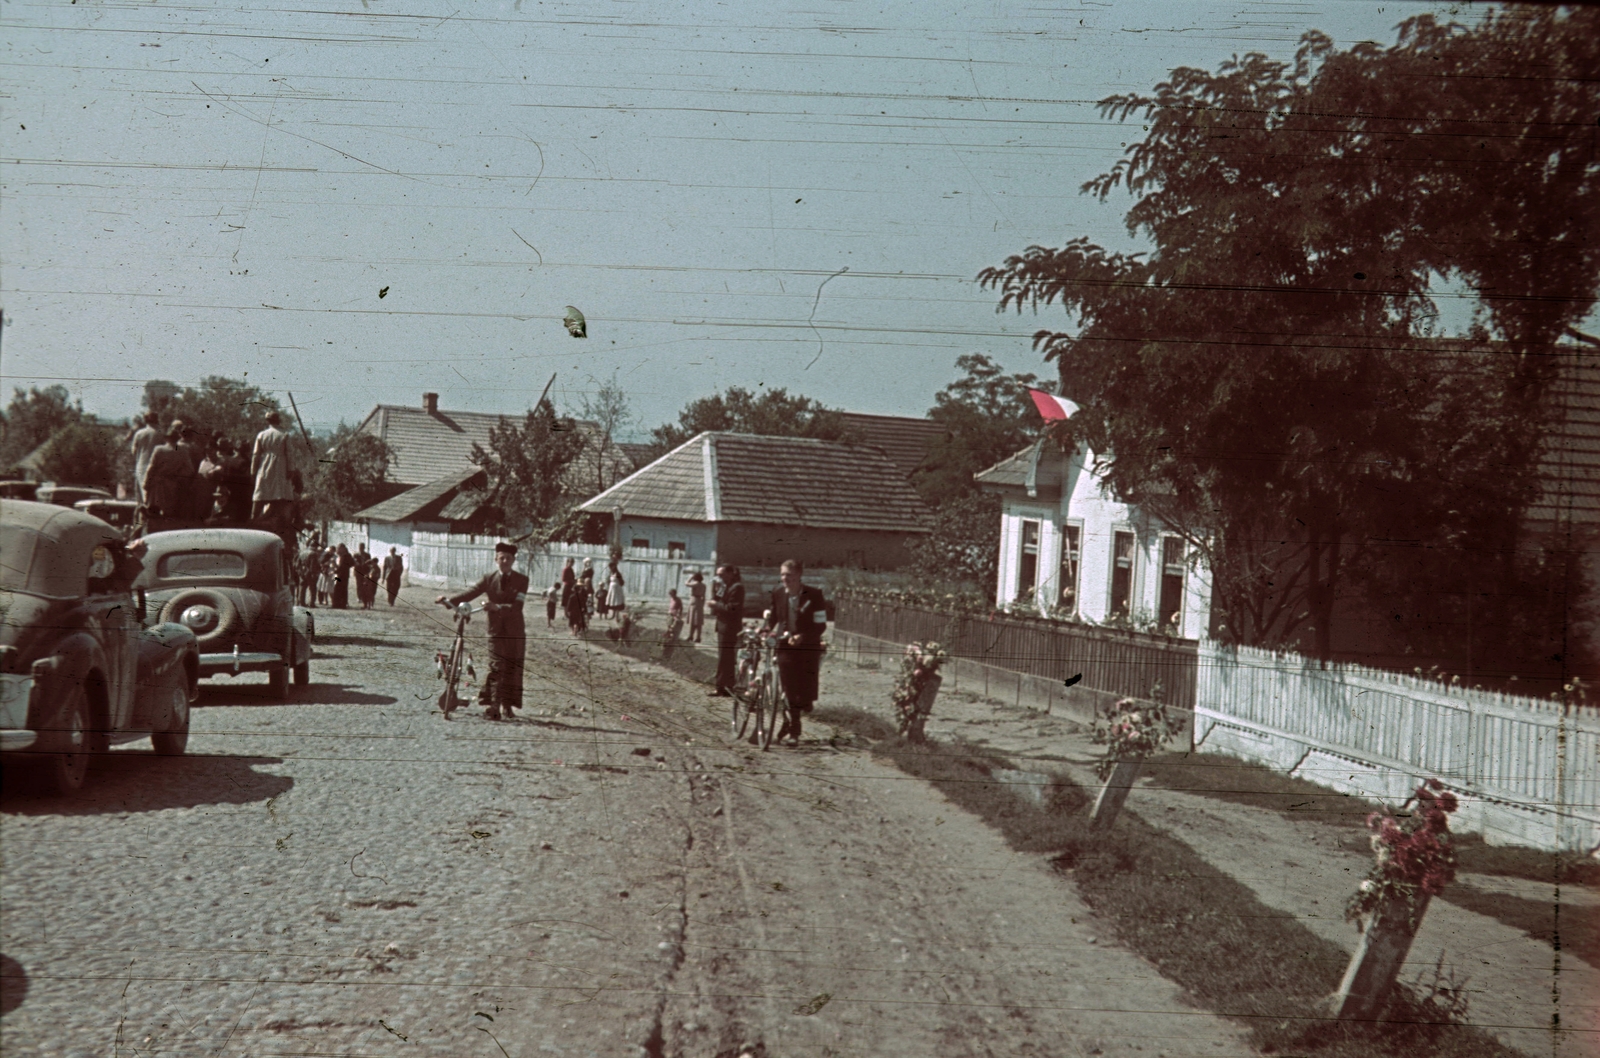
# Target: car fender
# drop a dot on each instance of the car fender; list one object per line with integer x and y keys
{"x": 74, "y": 658}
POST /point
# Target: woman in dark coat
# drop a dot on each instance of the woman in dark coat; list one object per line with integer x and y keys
{"x": 578, "y": 603}
{"x": 341, "y": 579}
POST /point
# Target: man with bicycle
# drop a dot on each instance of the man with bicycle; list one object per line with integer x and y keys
{"x": 797, "y": 615}
{"x": 505, "y": 590}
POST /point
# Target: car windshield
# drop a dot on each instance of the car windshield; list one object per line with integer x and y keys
{"x": 207, "y": 564}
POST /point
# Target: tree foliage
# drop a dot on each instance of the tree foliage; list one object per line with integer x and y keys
{"x": 608, "y": 409}
{"x": 774, "y": 413}
{"x": 963, "y": 544}
{"x": 987, "y": 415}
{"x": 526, "y": 465}
{"x": 32, "y": 418}
{"x": 1267, "y": 378}
{"x": 350, "y": 474}
{"x": 232, "y": 407}
{"x": 85, "y": 453}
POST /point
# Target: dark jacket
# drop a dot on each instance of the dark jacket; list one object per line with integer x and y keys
{"x": 727, "y": 603}
{"x": 811, "y": 618}
{"x": 506, "y": 592}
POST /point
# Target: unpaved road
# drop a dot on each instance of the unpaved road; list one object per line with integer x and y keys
{"x": 348, "y": 874}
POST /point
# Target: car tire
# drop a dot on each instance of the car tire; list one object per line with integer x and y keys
{"x": 229, "y": 620}
{"x": 278, "y": 682}
{"x": 175, "y": 739}
{"x": 67, "y": 769}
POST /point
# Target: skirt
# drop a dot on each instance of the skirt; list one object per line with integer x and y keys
{"x": 615, "y": 600}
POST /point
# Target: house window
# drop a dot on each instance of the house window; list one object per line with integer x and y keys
{"x": 1069, "y": 567}
{"x": 677, "y": 549}
{"x": 1028, "y": 569}
{"x": 640, "y": 541}
{"x": 1121, "y": 574}
{"x": 1172, "y": 569}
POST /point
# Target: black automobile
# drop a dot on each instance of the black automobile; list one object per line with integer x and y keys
{"x": 79, "y": 671}
{"x": 232, "y": 588}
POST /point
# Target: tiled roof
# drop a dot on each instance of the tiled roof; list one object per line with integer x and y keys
{"x": 797, "y": 481}
{"x": 1010, "y": 475}
{"x": 903, "y": 439}
{"x": 413, "y": 502}
{"x": 430, "y": 445}
{"x": 638, "y": 454}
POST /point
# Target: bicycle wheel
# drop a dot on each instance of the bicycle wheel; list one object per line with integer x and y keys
{"x": 769, "y": 709}
{"x": 741, "y": 715}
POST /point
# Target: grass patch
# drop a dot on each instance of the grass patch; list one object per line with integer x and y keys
{"x": 1202, "y": 929}
{"x": 1580, "y": 926}
{"x": 1246, "y": 783}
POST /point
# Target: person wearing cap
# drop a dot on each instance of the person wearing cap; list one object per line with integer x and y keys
{"x": 505, "y": 590}
{"x": 727, "y": 604}
{"x": 269, "y": 470}
{"x": 167, "y": 482}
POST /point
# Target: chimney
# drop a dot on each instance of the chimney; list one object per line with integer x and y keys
{"x": 430, "y": 403}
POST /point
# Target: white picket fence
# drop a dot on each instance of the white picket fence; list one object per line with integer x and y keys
{"x": 1527, "y": 770}
{"x": 446, "y": 561}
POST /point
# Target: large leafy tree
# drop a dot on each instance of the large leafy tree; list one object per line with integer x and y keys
{"x": 32, "y": 418}
{"x": 774, "y": 412}
{"x": 349, "y": 475}
{"x": 86, "y": 453}
{"x": 229, "y": 406}
{"x": 607, "y": 408}
{"x": 526, "y": 465}
{"x": 1266, "y": 378}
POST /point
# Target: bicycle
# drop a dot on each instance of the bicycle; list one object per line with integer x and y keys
{"x": 450, "y": 667}
{"x": 758, "y": 694}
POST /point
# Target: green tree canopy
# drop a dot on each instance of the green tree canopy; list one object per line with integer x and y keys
{"x": 774, "y": 412}
{"x": 349, "y": 475}
{"x": 526, "y": 465}
{"x": 229, "y": 406}
{"x": 1266, "y": 378}
{"x": 85, "y": 453}
{"x": 32, "y": 418}
{"x": 988, "y": 416}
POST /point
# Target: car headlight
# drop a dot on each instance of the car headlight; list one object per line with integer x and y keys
{"x": 14, "y": 694}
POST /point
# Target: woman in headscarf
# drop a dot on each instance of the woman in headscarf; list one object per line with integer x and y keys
{"x": 343, "y": 564}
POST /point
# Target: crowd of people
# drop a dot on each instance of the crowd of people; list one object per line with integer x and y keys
{"x": 323, "y": 575}
{"x": 184, "y": 477}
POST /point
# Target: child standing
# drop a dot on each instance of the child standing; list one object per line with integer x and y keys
{"x": 552, "y": 595}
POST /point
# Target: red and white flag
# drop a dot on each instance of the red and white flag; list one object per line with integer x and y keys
{"x": 1053, "y": 408}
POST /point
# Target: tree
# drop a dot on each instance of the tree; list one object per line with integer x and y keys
{"x": 988, "y": 416}
{"x": 773, "y": 413}
{"x": 526, "y": 466}
{"x": 84, "y": 453}
{"x": 963, "y": 544}
{"x": 607, "y": 408}
{"x": 350, "y": 474}
{"x": 32, "y": 418}
{"x": 1267, "y": 379}
{"x": 229, "y": 406}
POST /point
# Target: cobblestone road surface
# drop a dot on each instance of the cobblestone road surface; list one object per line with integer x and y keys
{"x": 348, "y": 874}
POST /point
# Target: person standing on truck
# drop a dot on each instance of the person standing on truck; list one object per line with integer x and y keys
{"x": 269, "y": 470}
{"x": 143, "y": 442}
{"x": 505, "y": 590}
{"x": 166, "y": 482}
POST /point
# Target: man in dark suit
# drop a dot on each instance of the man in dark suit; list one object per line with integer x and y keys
{"x": 727, "y": 605}
{"x": 797, "y": 615}
{"x": 505, "y": 590}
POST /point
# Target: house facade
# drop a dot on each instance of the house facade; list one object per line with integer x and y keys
{"x": 754, "y": 501}
{"x": 1068, "y": 549}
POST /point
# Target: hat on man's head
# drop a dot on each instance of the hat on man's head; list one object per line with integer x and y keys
{"x": 175, "y": 429}
{"x": 509, "y": 549}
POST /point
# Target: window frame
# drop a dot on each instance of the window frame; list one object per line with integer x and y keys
{"x": 1071, "y": 552}
{"x": 1117, "y": 534}
{"x": 1026, "y": 594}
{"x": 1167, "y": 568}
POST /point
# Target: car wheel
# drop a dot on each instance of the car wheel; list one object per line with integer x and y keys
{"x": 302, "y": 673}
{"x": 175, "y": 739}
{"x": 68, "y": 767}
{"x": 278, "y": 682}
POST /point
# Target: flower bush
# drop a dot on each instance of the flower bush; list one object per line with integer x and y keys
{"x": 1133, "y": 729}
{"x": 918, "y": 665}
{"x": 1412, "y": 855}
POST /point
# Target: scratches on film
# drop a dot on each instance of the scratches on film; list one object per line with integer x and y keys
{"x": 811, "y": 319}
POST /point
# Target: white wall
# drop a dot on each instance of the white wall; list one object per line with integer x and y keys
{"x": 1099, "y": 519}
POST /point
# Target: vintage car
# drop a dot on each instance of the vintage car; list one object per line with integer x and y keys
{"x": 120, "y": 513}
{"x": 69, "y": 495}
{"x": 79, "y": 671}
{"x": 232, "y": 588}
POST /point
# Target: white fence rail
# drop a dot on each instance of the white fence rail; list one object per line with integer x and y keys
{"x": 1527, "y": 770}
{"x": 447, "y": 561}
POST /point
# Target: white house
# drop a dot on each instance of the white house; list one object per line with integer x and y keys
{"x": 1067, "y": 548}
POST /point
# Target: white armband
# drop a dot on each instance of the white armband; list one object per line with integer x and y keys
{"x": 820, "y": 617}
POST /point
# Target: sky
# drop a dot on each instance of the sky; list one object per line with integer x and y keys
{"x": 356, "y": 201}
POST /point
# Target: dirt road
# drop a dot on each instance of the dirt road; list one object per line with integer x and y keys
{"x": 348, "y": 874}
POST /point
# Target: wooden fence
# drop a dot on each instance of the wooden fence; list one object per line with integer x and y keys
{"x": 444, "y": 560}
{"x": 1121, "y": 663}
{"x": 1528, "y": 768}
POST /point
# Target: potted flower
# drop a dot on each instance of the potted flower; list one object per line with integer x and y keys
{"x": 1131, "y": 730}
{"x": 1413, "y": 861}
{"x": 917, "y": 686}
